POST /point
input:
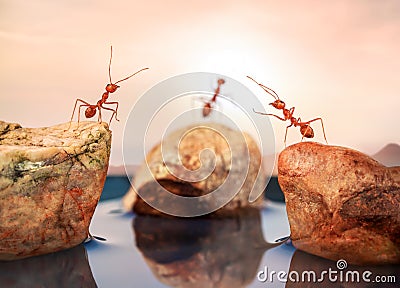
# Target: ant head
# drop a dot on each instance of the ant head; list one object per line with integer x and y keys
{"x": 221, "y": 81}
{"x": 111, "y": 88}
{"x": 278, "y": 104}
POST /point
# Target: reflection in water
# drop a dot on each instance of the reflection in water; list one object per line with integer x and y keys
{"x": 202, "y": 252}
{"x": 68, "y": 268}
{"x": 302, "y": 261}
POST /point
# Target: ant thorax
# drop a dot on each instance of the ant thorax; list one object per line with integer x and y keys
{"x": 104, "y": 96}
{"x": 288, "y": 115}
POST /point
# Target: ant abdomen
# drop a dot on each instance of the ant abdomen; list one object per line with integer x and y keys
{"x": 307, "y": 131}
{"x": 206, "y": 109}
{"x": 90, "y": 112}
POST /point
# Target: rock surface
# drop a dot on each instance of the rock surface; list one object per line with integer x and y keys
{"x": 51, "y": 180}
{"x": 341, "y": 203}
{"x": 190, "y": 153}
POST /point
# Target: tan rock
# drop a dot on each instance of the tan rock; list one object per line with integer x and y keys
{"x": 50, "y": 183}
{"x": 341, "y": 203}
{"x": 189, "y": 151}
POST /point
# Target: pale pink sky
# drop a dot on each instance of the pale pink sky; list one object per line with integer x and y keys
{"x": 334, "y": 59}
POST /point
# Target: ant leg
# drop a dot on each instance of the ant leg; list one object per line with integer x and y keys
{"x": 302, "y": 137}
{"x": 114, "y": 112}
{"x": 79, "y": 111}
{"x": 116, "y": 109}
{"x": 291, "y": 124}
{"x": 194, "y": 102}
{"x": 267, "y": 114}
{"x": 99, "y": 118}
{"x": 299, "y": 122}
{"x": 202, "y": 100}
{"x": 322, "y": 124}
{"x": 73, "y": 112}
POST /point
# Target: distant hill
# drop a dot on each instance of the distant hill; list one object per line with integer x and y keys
{"x": 388, "y": 155}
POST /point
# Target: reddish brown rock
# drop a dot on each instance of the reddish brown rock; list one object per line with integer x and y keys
{"x": 341, "y": 203}
{"x": 51, "y": 180}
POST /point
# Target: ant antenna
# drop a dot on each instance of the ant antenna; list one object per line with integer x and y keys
{"x": 131, "y": 75}
{"x": 109, "y": 67}
{"x": 266, "y": 89}
{"x": 109, "y": 71}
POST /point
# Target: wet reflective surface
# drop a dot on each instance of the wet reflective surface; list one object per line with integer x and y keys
{"x": 202, "y": 252}
{"x": 68, "y": 268}
{"x": 143, "y": 251}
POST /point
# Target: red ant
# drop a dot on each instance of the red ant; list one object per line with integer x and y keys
{"x": 305, "y": 128}
{"x": 110, "y": 88}
{"x": 208, "y": 105}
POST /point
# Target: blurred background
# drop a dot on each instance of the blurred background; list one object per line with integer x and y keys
{"x": 332, "y": 59}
